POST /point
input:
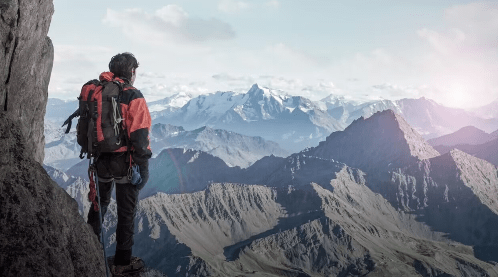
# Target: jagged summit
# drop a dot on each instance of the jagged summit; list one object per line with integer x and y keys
{"x": 384, "y": 140}
{"x": 265, "y": 91}
{"x": 466, "y": 135}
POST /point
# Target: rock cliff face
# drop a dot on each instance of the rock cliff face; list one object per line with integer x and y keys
{"x": 26, "y": 62}
{"x": 41, "y": 232}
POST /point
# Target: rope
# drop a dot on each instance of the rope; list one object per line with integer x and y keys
{"x": 93, "y": 191}
{"x": 116, "y": 116}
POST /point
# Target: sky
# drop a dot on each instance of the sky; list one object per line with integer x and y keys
{"x": 362, "y": 50}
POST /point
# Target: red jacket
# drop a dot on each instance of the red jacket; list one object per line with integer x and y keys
{"x": 136, "y": 117}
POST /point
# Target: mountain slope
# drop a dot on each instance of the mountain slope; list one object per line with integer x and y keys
{"x": 488, "y": 111}
{"x": 343, "y": 228}
{"x": 452, "y": 193}
{"x": 467, "y": 135}
{"x": 234, "y": 149}
{"x": 180, "y": 170}
{"x": 385, "y": 140}
{"x": 487, "y": 151}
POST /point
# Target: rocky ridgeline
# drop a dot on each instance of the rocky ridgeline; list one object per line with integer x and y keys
{"x": 336, "y": 230}
{"x": 452, "y": 193}
{"x": 41, "y": 231}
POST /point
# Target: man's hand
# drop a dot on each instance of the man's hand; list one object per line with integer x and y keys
{"x": 144, "y": 173}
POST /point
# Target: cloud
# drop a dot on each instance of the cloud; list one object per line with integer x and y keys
{"x": 170, "y": 23}
{"x": 479, "y": 21}
{"x": 231, "y": 82}
{"x": 288, "y": 56}
{"x": 74, "y": 65}
{"x": 273, "y": 4}
{"x": 232, "y": 6}
{"x": 394, "y": 92}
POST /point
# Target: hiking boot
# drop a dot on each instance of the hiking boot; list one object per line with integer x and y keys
{"x": 136, "y": 266}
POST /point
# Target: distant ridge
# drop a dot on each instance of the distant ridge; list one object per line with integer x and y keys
{"x": 466, "y": 135}
{"x": 487, "y": 151}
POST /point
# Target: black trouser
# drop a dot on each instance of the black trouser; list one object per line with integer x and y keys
{"x": 126, "y": 200}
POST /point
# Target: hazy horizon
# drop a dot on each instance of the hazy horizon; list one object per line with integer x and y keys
{"x": 443, "y": 51}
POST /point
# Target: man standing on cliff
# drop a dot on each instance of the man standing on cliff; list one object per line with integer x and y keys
{"x": 114, "y": 167}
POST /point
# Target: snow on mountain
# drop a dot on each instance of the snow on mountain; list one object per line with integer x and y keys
{"x": 168, "y": 105}
{"x": 467, "y": 135}
{"x": 235, "y": 149}
{"x": 338, "y": 107}
{"x": 368, "y": 109}
{"x": 384, "y": 140}
{"x": 59, "y": 110}
{"x": 61, "y": 150}
{"x": 60, "y": 177}
{"x": 175, "y": 101}
{"x": 293, "y": 122}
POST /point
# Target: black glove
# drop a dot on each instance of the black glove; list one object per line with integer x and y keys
{"x": 144, "y": 174}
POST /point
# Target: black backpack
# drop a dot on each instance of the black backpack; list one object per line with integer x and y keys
{"x": 100, "y": 127}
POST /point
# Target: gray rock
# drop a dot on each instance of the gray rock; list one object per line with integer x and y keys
{"x": 26, "y": 60}
{"x": 41, "y": 231}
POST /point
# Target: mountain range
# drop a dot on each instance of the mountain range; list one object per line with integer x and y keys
{"x": 375, "y": 199}
{"x": 470, "y": 140}
{"x": 294, "y": 122}
{"x": 233, "y": 148}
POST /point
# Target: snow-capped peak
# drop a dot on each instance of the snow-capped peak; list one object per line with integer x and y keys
{"x": 177, "y": 100}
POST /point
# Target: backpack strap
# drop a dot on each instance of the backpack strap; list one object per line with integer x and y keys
{"x": 91, "y": 123}
{"x": 125, "y": 132}
{"x": 69, "y": 120}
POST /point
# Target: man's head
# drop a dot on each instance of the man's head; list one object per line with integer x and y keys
{"x": 124, "y": 65}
